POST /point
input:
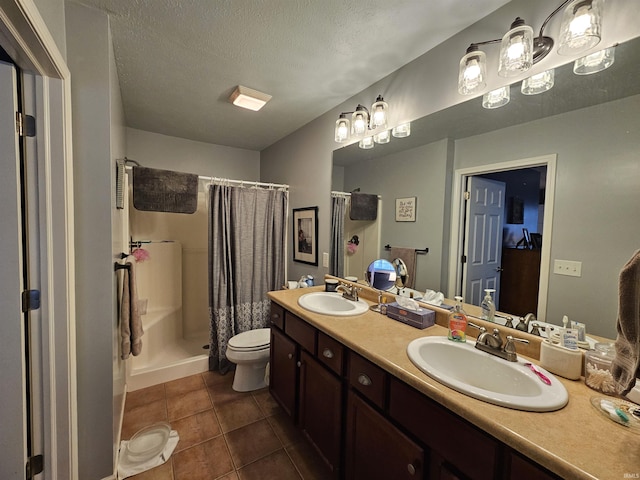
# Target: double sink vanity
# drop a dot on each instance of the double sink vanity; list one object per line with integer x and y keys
{"x": 450, "y": 411}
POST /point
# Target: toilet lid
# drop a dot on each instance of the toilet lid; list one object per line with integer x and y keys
{"x": 251, "y": 340}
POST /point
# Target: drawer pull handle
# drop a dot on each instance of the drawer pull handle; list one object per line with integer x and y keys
{"x": 276, "y": 315}
{"x": 364, "y": 380}
{"x": 290, "y": 356}
{"x": 327, "y": 353}
{"x": 411, "y": 469}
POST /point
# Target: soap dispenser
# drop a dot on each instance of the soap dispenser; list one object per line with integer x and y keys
{"x": 488, "y": 306}
{"x": 458, "y": 322}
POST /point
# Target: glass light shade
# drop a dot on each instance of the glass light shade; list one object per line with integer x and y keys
{"x": 516, "y": 51}
{"x": 581, "y": 26}
{"x": 496, "y": 98}
{"x": 594, "y": 63}
{"x": 379, "y": 113}
{"x": 343, "y": 128}
{"x": 382, "y": 137}
{"x": 401, "y": 131}
{"x": 473, "y": 73}
{"x": 538, "y": 83}
{"x": 366, "y": 143}
{"x": 359, "y": 121}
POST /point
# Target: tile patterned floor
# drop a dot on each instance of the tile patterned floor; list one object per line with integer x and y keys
{"x": 223, "y": 434}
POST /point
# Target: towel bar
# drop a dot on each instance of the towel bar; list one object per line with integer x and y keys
{"x": 420, "y": 251}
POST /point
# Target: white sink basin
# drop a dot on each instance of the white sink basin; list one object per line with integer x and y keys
{"x": 486, "y": 377}
{"x": 329, "y": 303}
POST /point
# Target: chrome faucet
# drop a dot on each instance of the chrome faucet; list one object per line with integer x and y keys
{"x": 492, "y": 343}
{"x": 348, "y": 292}
{"x": 523, "y": 325}
{"x": 508, "y": 320}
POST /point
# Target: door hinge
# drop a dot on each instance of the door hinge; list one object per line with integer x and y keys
{"x": 35, "y": 465}
{"x": 467, "y": 195}
{"x": 463, "y": 259}
{"x": 25, "y": 125}
{"x": 30, "y": 300}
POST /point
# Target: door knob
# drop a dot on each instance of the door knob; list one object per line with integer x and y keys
{"x": 499, "y": 269}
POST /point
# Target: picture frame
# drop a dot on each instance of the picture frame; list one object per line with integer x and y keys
{"x": 406, "y": 209}
{"x": 305, "y": 235}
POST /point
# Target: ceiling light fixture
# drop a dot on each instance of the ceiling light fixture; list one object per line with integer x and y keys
{"x": 249, "y": 98}
{"x": 519, "y": 50}
{"x": 370, "y": 126}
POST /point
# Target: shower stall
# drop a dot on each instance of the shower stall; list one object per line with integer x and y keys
{"x": 172, "y": 290}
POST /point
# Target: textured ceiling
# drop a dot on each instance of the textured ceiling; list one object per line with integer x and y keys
{"x": 179, "y": 60}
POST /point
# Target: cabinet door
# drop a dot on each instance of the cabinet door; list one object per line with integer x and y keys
{"x": 524, "y": 469}
{"x": 283, "y": 374}
{"x": 320, "y": 409}
{"x": 375, "y": 449}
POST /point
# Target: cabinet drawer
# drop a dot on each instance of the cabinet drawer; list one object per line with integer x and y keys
{"x": 301, "y": 332}
{"x": 277, "y": 315}
{"x": 330, "y": 352}
{"x": 444, "y": 432}
{"x": 367, "y": 378}
{"x": 523, "y": 469}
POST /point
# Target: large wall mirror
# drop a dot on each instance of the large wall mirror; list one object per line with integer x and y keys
{"x": 589, "y": 124}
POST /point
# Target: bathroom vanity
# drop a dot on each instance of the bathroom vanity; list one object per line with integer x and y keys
{"x": 348, "y": 384}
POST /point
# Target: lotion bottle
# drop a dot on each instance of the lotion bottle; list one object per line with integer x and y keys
{"x": 458, "y": 323}
{"x": 488, "y": 307}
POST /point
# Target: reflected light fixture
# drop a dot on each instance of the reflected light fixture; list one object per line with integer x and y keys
{"x": 538, "y": 83}
{"x": 249, "y": 98}
{"x": 401, "y": 131}
{"x": 496, "y": 98}
{"x": 366, "y": 143}
{"x": 382, "y": 137}
{"x": 519, "y": 50}
{"x": 595, "y": 62}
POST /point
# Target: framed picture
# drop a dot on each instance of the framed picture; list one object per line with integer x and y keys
{"x": 305, "y": 235}
{"x": 406, "y": 209}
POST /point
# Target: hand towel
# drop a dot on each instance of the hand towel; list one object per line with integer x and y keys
{"x": 363, "y": 206}
{"x": 127, "y": 468}
{"x": 130, "y": 320}
{"x": 626, "y": 364}
{"x": 408, "y": 256}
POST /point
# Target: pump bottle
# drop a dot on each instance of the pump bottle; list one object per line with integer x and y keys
{"x": 458, "y": 323}
{"x": 488, "y": 306}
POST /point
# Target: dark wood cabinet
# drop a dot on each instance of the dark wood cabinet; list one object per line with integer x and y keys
{"x": 376, "y": 449}
{"x": 522, "y": 469}
{"x": 519, "y": 281}
{"x": 284, "y": 371}
{"x": 320, "y": 409}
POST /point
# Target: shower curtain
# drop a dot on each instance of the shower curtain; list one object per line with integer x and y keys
{"x": 247, "y": 228}
{"x": 338, "y": 209}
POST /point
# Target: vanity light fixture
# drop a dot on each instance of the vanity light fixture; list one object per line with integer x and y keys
{"x": 361, "y": 122}
{"x": 538, "y": 83}
{"x": 519, "y": 50}
{"x": 595, "y": 62}
{"x": 249, "y": 98}
{"x": 382, "y": 137}
{"x": 401, "y": 131}
{"x": 366, "y": 143}
{"x": 496, "y": 98}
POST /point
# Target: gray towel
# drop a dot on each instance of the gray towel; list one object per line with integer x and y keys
{"x": 626, "y": 365}
{"x": 130, "y": 321}
{"x": 164, "y": 191}
{"x": 363, "y": 206}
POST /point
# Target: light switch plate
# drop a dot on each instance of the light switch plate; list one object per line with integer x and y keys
{"x": 325, "y": 259}
{"x": 567, "y": 267}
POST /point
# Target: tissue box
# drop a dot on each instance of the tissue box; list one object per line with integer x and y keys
{"x": 421, "y": 318}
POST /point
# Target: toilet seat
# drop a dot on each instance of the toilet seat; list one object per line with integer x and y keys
{"x": 251, "y": 340}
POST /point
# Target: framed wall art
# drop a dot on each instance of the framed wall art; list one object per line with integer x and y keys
{"x": 406, "y": 209}
{"x": 305, "y": 235}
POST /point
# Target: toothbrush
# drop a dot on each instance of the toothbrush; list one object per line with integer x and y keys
{"x": 615, "y": 413}
{"x": 541, "y": 375}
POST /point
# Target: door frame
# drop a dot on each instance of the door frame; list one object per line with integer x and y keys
{"x": 458, "y": 220}
{"x": 26, "y": 38}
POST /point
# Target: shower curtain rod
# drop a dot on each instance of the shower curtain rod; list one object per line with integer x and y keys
{"x": 242, "y": 183}
{"x": 345, "y": 194}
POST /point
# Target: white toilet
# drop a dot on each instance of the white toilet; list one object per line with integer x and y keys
{"x": 250, "y": 352}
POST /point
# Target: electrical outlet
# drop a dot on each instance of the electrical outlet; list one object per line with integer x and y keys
{"x": 325, "y": 259}
{"x": 567, "y": 267}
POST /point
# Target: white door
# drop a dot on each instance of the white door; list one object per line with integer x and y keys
{"x": 368, "y": 232}
{"x": 483, "y": 239}
{"x": 13, "y": 370}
